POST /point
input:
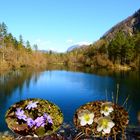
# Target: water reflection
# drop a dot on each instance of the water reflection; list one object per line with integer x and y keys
{"x": 69, "y": 88}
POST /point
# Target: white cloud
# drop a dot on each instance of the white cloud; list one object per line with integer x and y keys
{"x": 69, "y": 41}
{"x": 72, "y": 42}
{"x": 83, "y": 43}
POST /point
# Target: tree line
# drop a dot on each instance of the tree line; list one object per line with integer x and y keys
{"x": 122, "y": 52}
{"x": 17, "y": 53}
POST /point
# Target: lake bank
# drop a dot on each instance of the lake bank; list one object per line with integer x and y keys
{"x": 38, "y": 60}
{"x": 61, "y": 66}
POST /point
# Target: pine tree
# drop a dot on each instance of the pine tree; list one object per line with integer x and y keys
{"x": 28, "y": 46}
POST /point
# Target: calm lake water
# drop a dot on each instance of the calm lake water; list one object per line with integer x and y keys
{"x": 68, "y": 89}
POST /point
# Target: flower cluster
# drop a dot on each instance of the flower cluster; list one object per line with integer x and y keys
{"x": 38, "y": 122}
{"x": 104, "y": 123}
{"x": 31, "y": 105}
{"x": 86, "y": 117}
{"x": 34, "y": 118}
{"x": 20, "y": 114}
{"x": 106, "y": 108}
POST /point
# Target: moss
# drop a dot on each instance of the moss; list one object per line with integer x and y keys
{"x": 43, "y": 106}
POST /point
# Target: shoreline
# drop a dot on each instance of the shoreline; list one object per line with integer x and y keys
{"x": 116, "y": 68}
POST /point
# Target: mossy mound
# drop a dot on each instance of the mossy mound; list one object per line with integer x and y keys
{"x": 34, "y": 118}
{"x": 119, "y": 117}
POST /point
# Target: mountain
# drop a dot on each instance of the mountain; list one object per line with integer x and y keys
{"x": 77, "y": 46}
{"x": 118, "y": 48}
{"x": 47, "y": 51}
{"x": 129, "y": 26}
{"x": 71, "y": 48}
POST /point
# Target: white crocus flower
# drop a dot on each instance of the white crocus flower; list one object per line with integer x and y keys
{"x": 104, "y": 125}
{"x": 86, "y": 117}
{"x": 106, "y": 108}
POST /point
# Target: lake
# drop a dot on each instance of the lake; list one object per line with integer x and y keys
{"x": 69, "y": 89}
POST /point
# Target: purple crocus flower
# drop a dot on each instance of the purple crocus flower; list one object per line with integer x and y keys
{"x": 31, "y": 105}
{"x": 45, "y": 116}
{"x": 49, "y": 119}
{"x": 30, "y": 122}
{"x": 19, "y": 111}
{"x": 20, "y": 114}
{"x": 40, "y": 121}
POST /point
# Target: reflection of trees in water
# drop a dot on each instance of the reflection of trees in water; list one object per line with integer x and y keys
{"x": 130, "y": 79}
{"x": 15, "y": 80}
{"x": 10, "y": 83}
{"x": 35, "y": 77}
{"x": 131, "y": 83}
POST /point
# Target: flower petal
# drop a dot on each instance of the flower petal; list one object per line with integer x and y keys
{"x": 111, "y": 124}
{"x": 80, "y": 117}
{"x": 102, "y": 112}
{"x": 106, "y": 113}
{"x": 110, "y": 109}
{"x": 99, "y": 128}
{"x": 91, "y": 115}
{"x": 107, "y": 130}
{"x": 90, "y": 121}
{"x": 83, "y": 122}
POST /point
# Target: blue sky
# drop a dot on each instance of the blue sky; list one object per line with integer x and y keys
{"x": 58, "y": 24}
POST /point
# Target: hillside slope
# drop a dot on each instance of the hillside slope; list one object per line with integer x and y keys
{"x": 118, "y": 48}
{"x": 129, "y": 26}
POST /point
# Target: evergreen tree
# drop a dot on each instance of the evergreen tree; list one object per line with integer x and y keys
{"x": 20, "y": 43}
{"x": 35, "y": 47}
{"x": 28, "y": 46}
{"x": 3, "y": 29}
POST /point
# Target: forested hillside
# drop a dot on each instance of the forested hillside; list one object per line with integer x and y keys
{"x": 17, "y": 53}
{"x": 119, "y": 48}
